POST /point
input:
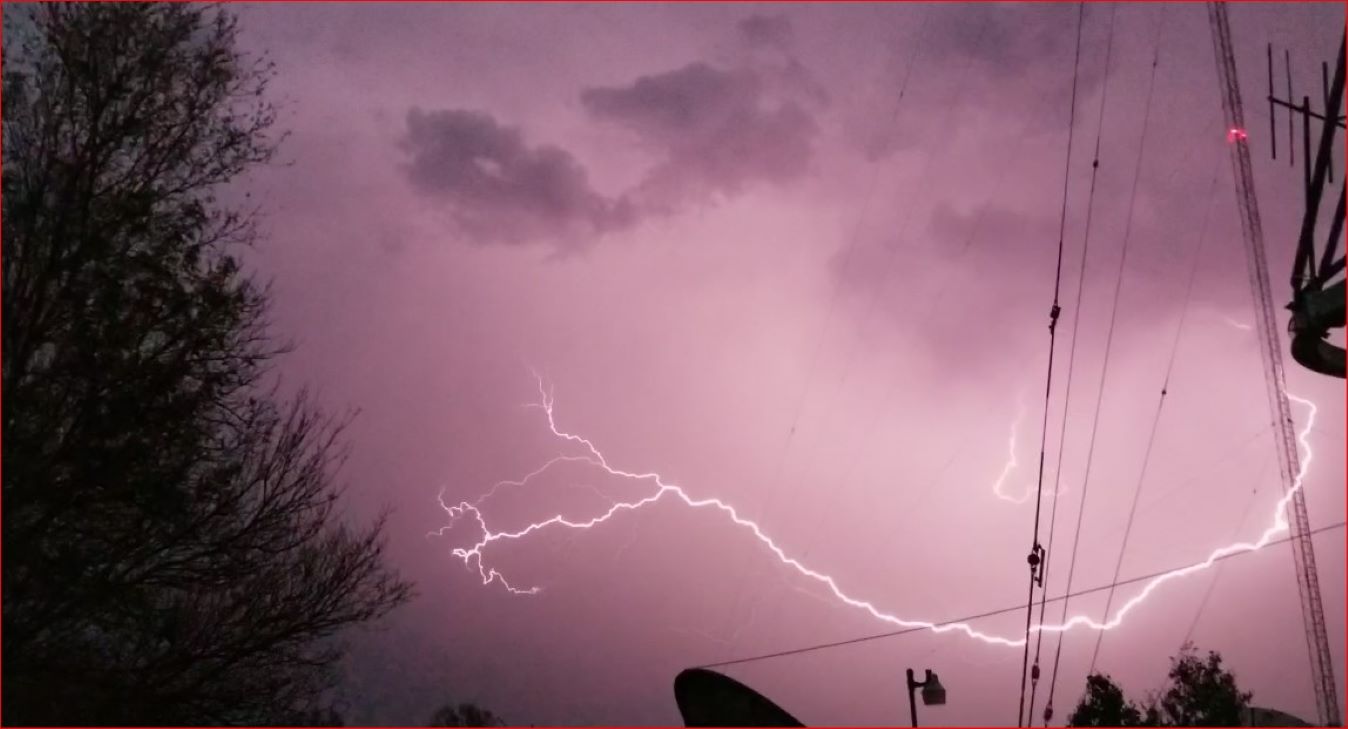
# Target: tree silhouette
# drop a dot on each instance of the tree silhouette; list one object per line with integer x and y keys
{"x": 1200, "y": 693}
{"x": 171, "y": 550}
{"x": 1104, "y": 705}
{"x": 464, "y": 715}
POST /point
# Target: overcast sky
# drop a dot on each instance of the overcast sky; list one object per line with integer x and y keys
{"x": 798, "y": 258}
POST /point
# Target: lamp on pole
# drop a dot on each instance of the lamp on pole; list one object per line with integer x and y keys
{"x": 933, "y": 693}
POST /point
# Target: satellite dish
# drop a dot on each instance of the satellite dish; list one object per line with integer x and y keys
{"x": 1258, "y": 716}
{"x": 710, "y": 699}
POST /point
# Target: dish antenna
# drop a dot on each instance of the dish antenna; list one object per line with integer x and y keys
{"x": 710, "y": 699}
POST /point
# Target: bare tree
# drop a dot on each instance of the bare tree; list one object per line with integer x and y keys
{"x": 171, "y": 550}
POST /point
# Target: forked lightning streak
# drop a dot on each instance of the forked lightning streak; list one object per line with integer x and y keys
{"x": 473, "y": 556}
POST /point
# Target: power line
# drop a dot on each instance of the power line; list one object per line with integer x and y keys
{"x": 1164, "y": 497}
{"x": 852, "y": 242}
{"x": 961, "y": 87}
{"x": 993, "y": 613}
{"x": 1072, "y": 354}
{"x": 942, "y": 288}
{"x": 1196, "y": 478}
{"x": 1037, "y": 552}
{"x": 837, "y": 288}
{"x": 1160, "y": 406}
{"x": 890, "y": 251}
{"x": 1212, "y": 584}
{"x": 1109, "y": 341}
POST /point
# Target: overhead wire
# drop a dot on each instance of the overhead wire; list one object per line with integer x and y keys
{"x": 848, "y": 253}
{"x": 1160, "y": 406}
{"x": 961, "y": 87}
{"x": 1036, "y": 552}
{"x": 942, "y": 289}
{"x": 1217, "y": 575}
{"x": 815, "y": 647}
{"x": 1164, "y": 496}
{"x": 1109, "y": 341}
{"x": 851, "y": 247}
{"x": 1072, "y": 349}
{"x": 908, "y": 218}
{"x": 852, "y": 461}
{"x": 1068, "y": 595}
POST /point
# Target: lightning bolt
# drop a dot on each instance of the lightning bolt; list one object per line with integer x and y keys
{"x": 1011, "y": 461}
{"x": 663, "y": 490}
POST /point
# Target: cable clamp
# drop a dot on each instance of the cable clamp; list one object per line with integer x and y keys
{"x": 1036, "y": 560}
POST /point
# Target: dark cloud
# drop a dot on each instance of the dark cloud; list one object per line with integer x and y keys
{"x": 1005, "y": 42}
{"x": 715, "y": 131}
{"x": 989, "y": 235}
{"x": 500, "y": 189}
{"x": 766, "y": 30}
{"x": 984, "y": 274}
{"x": 718, "y": 130}
{"x": 981, "y": 61}
{"x": 770, "y": 41}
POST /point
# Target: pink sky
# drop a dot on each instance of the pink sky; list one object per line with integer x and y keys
{"x": 706, "y": 225}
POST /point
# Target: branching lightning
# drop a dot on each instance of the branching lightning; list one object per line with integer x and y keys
{"x": 473, "y": 556}
{"x": 1012, "y": 462}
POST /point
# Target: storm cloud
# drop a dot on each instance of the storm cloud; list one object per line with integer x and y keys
{"x": 713, "y": 131}
{"x": 711, "y": 334}
{"x": 498, "y": 188}
{"x": 717, "y": 131}
{"x": 773, "y": 31}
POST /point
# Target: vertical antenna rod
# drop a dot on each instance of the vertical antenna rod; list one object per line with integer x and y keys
{"x": 1324, "y": 81}
{"x": 1272, "y": 130}
{"x": 1291, "y": 136}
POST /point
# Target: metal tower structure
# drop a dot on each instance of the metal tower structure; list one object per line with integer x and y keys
{"x": 1317, "y": 297}
{"x": 1317, "y": 640}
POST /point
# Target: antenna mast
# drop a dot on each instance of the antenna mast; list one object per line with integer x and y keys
{"x": 1317, "y": 304}
{"x": 1317, "y": 640}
